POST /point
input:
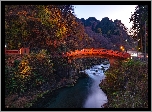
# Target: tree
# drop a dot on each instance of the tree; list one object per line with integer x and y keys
{"x": 138, "y": 29}
{"x": 109, "y": 32}
{"x": 38, "y": 26}
{"x": 99, "y": 30}
{"x": 105, "y": 25}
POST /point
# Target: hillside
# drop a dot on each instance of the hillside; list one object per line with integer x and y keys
{"x": 107, "y": 34}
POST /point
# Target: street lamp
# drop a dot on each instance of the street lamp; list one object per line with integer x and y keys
{"x": 121, "y": 47}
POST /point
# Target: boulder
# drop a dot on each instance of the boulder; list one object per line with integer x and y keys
{"x": 94, "y": 73}
{"x": 83, "y": 74}
{"x": 105, "y": 62}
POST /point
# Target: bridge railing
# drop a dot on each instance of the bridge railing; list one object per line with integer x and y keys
{"x": 99, "y": 52}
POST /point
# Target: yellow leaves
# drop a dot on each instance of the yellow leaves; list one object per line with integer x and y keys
{"x": 24, "y": 63}
{"x": 46, "y": 10}
{"x": 41, "y": 55}
{"x": 64, "y": 29}
{"x": 61, "y": 31}
{"x": 26, "y": 69}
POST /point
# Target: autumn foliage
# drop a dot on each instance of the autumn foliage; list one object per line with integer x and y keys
{"x": 42, "y": 27}
{"x": 127, "y": 87}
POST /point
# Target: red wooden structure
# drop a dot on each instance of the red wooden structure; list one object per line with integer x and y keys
{"x": 103, "y": 52}
{"x": 16, "y": 52}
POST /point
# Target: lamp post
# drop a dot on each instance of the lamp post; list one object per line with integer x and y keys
{"x": 126, "y": 46}
{"x": 137, "y": 46}
{"x": 145, "y": 41}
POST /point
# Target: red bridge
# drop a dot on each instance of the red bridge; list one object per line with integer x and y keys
{"x": 102, "y": 53}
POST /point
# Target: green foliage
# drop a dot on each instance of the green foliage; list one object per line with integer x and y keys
{"x": 126, "y": 85}
{"x": 106, "y": 25}
{"x": 32, "y": 71}
{"x": 88, "y": 21}
{"x": 10, "y": 81}
{"x": 41, "y": 65}
{"x": 139, "y": 17}
{"x": 138, "y": 29}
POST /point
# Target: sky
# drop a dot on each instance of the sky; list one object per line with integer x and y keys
{"x": 120, "y": 12}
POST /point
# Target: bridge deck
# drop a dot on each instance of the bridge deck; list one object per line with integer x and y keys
{"x": 98, "y": 52}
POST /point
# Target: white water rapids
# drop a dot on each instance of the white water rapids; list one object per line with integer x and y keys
{"x": 85, "y": 94}
{"x": 96, "y": 97}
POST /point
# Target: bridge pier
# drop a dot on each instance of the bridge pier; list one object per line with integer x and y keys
{"x": 112, "y": 60}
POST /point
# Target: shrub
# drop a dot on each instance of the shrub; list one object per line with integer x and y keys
{"x": 127, "y": 80}
{"x": 29, "y": 73}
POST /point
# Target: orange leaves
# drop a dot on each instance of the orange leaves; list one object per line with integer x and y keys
{"x": 54, "y": 43}
{"x": 22, "y": 13}
{"x": 53, "y": 21}
{"x": 33, "y": 18}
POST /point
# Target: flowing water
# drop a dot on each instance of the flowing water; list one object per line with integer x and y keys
{"x": 85, "y": 94}
{"x": 96, "y": 97}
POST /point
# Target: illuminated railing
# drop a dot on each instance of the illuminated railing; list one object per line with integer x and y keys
{"x": 98, "y": 52}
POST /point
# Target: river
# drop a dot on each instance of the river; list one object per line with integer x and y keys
{"x": 85, "y": 94}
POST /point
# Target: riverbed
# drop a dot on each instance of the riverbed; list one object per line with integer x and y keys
{"x": 85, "y": 94}
{"x": 96, "y": 97}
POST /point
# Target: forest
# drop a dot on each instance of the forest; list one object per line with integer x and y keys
{"x": 49, "y": 30}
